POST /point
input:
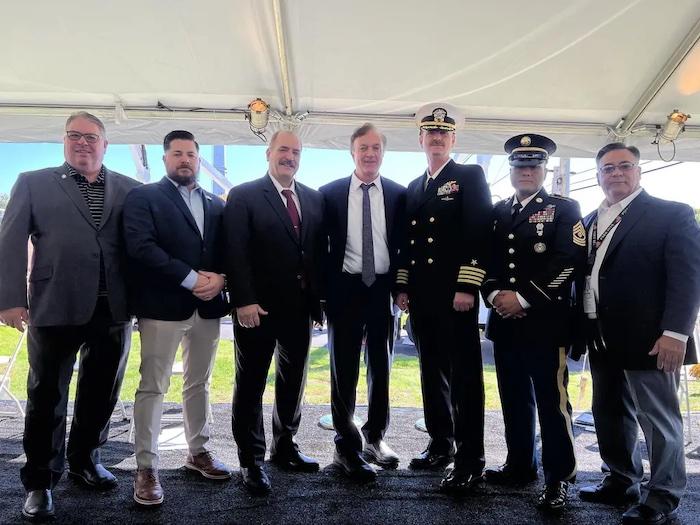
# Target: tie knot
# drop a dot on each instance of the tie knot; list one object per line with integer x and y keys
{"x": 366, "y": 187}
{"x": 287, "y": 193}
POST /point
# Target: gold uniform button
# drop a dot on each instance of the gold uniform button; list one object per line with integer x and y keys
{"x": 511, "y": 236}
{"x": 430, "y": 240}
{"x": 511, "y": 265}
{"x": 430, "y": 260}
{"x": 511, "y": 250}
{"x": 432, "y": 219}
{"x": 413, "y": 242}
{"x": 512, "y": 279}
{"x": 413, "y": 262}
{"x": 413, "y": 222}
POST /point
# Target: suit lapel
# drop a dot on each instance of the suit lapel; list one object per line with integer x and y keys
{"x": 110, "y": 195}
{"x": 174, "y": 195}
{"x": 305, "y": 208}
{"x": 275, "y": 201}
{"x": 67, "y": 184}
{"x": 206, "y": 204}
{"x": 636, "y": 211}
{"x": 389, "y": 206}
{"x": 342, "y": 199}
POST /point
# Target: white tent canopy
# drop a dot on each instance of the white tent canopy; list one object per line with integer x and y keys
{"x": 572, "y": 70}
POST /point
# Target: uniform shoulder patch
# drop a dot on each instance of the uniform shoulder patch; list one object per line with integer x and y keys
{"x": 579, "y": 232}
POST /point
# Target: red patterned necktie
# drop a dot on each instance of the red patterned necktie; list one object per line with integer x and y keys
{"x": 292, "y": 210}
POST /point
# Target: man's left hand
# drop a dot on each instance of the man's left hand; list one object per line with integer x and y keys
{"x": 463, "y": 302}
{"x": 212, "y": 288}
{"x": 669, "y": 353}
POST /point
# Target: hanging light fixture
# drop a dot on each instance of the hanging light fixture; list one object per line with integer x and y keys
{"x": 675, "y": 125}
{"x": 258, "y": 114}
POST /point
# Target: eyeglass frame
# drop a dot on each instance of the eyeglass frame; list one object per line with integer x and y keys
{"x": 77, "y": 135}
{"x": 624, "y": 167}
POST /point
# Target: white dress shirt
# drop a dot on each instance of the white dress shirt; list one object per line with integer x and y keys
{"x": 433, "y": 176}
{"x": 523, "y": 302}
{"x": 292, "y": 187}
{"x": 352, "y": 263}
{"x": 606, "y": 215}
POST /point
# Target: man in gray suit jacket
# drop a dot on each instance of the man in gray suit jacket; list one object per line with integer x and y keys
{"x": 76, "y": 301}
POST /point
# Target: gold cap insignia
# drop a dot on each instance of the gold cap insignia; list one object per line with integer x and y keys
{"x": 439, "y": 114}
{"x": 525, "y": 141}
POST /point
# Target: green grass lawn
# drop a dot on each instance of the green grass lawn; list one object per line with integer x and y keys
{"x": 405, "y": 379}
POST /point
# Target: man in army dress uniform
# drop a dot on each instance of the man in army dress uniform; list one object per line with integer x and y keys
{"x": 449, "y": 225}
{"x": 538, "y": 248}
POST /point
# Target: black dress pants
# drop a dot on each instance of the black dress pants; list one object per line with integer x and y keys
{"x": 361, "y": 313}
{"x": 104, "y": 348}
{"x": 285, "y": 335}
{"x": 452, "y": 381}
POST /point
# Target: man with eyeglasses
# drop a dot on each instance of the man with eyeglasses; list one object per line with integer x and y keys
{"x": 75, "y": 302}
{"x": 640, "y": 304}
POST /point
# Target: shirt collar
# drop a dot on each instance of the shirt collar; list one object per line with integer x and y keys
{"x": 355, "y": 182}
{"x": 281, "y": 188}
{"x": 80, "y": 177}
{"x": 526, "y": 201}
{"x": 179, "y": 186}
{"x": 604, "y": 208}
{"x": 437, "y": 171}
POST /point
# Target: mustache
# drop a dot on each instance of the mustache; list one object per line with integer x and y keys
{"x": 288, "y": 163}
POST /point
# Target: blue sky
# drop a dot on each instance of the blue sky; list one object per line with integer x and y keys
{"x": 680, "y": 182}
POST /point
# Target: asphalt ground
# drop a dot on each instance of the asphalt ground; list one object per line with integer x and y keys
{"x": 400, "y": 496}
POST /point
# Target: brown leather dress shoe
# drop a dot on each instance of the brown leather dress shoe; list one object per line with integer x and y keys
{"x": 147, "y": 489}
{"x": 208, "y": 466}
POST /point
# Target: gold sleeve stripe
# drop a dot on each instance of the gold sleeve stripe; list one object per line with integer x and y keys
{"x": 472, "y": 269}
{"x": 469, "y": 281}
{"x": 472, "y": 272}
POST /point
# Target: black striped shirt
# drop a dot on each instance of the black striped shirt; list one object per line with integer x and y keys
{"x": 94, "y": 195}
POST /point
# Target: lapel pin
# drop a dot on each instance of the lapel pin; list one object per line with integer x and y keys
{"x": 538, "y": 199}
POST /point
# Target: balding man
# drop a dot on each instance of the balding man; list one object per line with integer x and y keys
{"x": 275, "y": 248}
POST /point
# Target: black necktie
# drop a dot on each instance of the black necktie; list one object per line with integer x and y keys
{"x": 515, "y": 210}
{"x": 368, "y": 270}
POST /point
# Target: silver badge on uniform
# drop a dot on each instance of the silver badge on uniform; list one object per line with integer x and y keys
{"x": 540, "y": 227}
{"x": 540, "y": 247}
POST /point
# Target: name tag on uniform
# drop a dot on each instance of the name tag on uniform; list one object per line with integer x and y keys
{"x": 589, "y": 306}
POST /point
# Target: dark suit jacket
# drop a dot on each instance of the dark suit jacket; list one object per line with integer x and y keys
{"x": 336, "y": 196}
{"x": 548, "y": 246}
{"x": 48, "y": 206}
{"x": 449, "y": 227}
{"x": 649, "y": 280}
{"x": 266, "y": 262}
{"x": 164, "y": 245}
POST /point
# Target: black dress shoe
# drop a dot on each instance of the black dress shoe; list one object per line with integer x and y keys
{"x": 255, "y": 480}
{"x": 427, "y": 460}
{"x": 459, "y": 482}
{"x": 355, "y": 467}
{"x": 507, "y": 475}
{"x": 38, "y": 506}
{"x": 295, "y": 461}
{"x": 643, "y": 514}
{"x": 610, "y": 493}
{"x": 554, "y": 496}
{"x": 93, "y": 476}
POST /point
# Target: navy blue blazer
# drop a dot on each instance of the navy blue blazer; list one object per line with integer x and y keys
{"x": 649, "y": 280}
{"x": 336, "y": 196}
{"x": 163, "y": 245}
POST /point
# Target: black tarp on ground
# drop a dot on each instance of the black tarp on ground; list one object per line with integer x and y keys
{"x": 399, "y": 497}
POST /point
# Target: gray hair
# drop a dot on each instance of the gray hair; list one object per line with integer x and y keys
{"x": 87, "y": 116}
{"x": 367, "y": 127}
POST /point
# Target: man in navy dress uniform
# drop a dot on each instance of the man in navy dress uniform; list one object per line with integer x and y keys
{"x": 538, "y": 248}
{"x": 448, "y": 208}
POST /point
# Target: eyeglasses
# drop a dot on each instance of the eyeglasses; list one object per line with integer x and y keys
{"x": 75, "y": 136}
{"x": 624, "y": 167}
